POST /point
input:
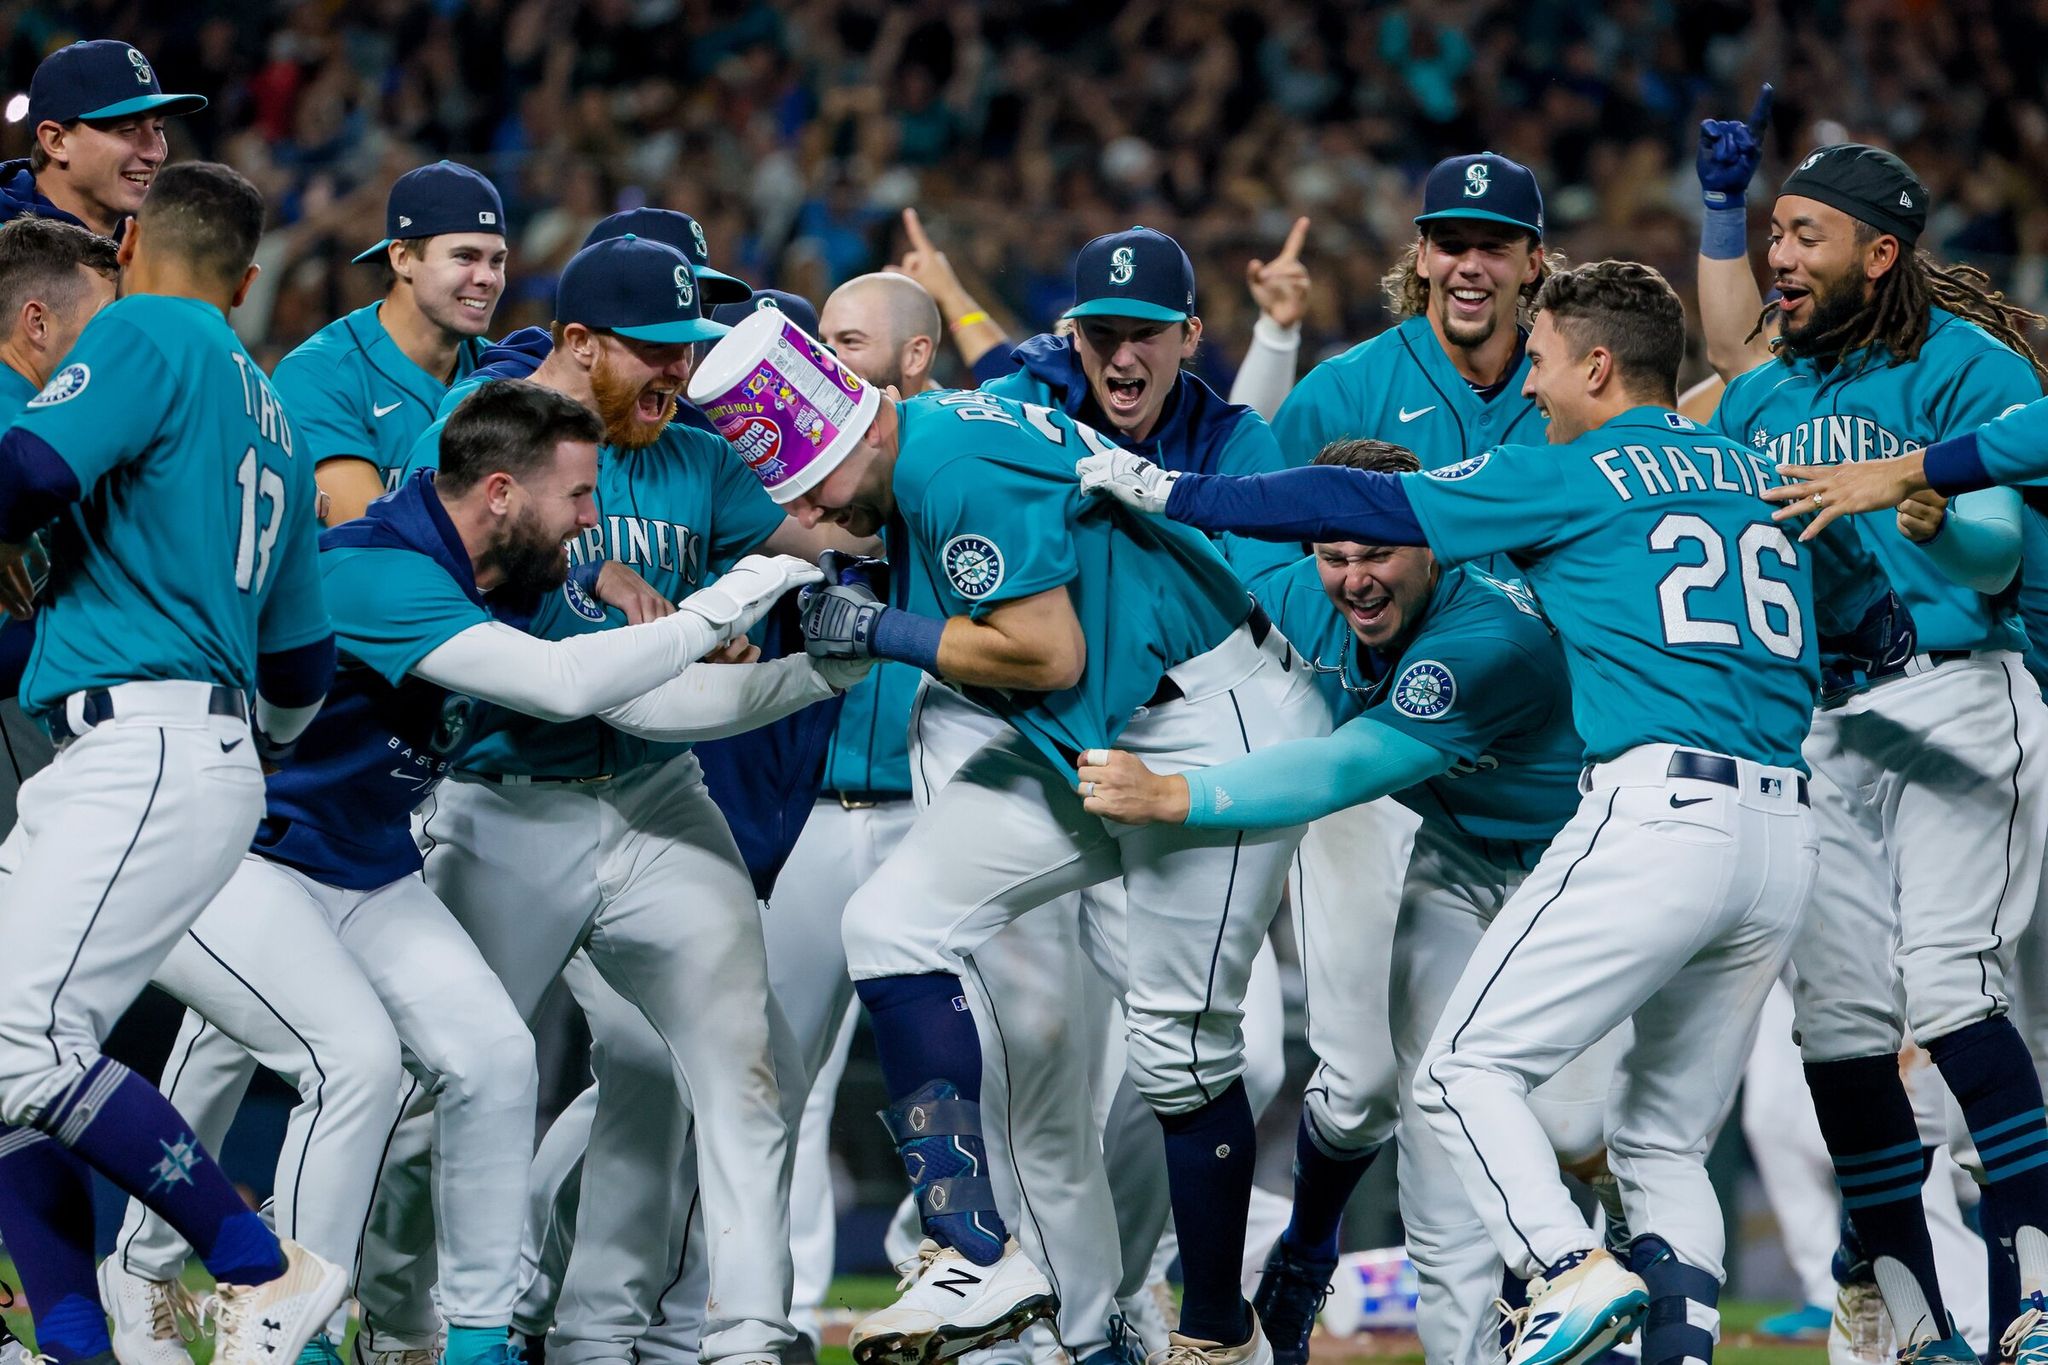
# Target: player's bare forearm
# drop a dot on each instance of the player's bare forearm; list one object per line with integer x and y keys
{"x": 1729, "y": 305}
{"x": 351, "y": 485}
{"x": 793, "y": 538}
{"x": 1033, "y": 644}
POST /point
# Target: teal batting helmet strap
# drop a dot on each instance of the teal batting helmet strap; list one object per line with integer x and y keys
{"x": 1486, "y": 187}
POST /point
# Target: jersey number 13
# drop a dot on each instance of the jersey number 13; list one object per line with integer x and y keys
{"x": 1762, "y": 597}
{"x": 259, "y": 484}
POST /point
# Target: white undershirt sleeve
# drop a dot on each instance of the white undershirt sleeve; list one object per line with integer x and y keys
{"x": 567, "y": 679}
{"x": 1267, "y": 375}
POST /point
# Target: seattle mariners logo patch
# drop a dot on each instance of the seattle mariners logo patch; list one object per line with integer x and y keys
{"x": 1476, "y": 183}
{"x": 686, "y": 287}
{"x": 697, "y": 236}
{"x": 579, "y": 601}
{"x": 1463, "y": 469}
{"x": 1123, "y": 263}
{"x": 1425, "y": 690}
{"x": 974, "y": 566}
{"x": 141, "y": 65}
{"x": 64, "y": 386}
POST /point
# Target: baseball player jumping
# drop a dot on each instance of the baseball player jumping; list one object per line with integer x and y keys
{"x": 185, "y": 580}
{"x": 1692, "y": 690}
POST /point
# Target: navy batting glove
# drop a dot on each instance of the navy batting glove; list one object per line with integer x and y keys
{"x": 1730, "y": 151}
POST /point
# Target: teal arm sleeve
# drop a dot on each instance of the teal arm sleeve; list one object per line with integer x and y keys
{"x": 1978, "y": 544}
{"x": 1293, "y": 783}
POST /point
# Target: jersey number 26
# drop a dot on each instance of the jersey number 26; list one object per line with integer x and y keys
{"x": 1683, "y": 533}
{"x": 258, "y": 534}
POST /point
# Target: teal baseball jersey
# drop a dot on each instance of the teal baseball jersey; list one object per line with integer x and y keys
{"x": 869, "y": 754}
{"x": 194, "y": 546}
{"x": 1685, "y": 612}
{"x": 15, "y": 391}
{"x": 678, "y": 513}
{"x": 989, "y": 510}
{"x": 2033, "y": 588}
{"x": 1482, "y": 680}
{"x": 1400, "y": 387}
{"x": 1198, "y": 432}
{"x": 352, "y": 392}
{"x": 1864, "y": 409}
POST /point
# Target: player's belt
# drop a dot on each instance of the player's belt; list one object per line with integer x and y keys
{"x": 1716, "y": 768}
{"x": 97, "y": 707}
{"x": 1258, "y": 623}
{"x": 539, "y": 779}
{"x": 865, "y": 800}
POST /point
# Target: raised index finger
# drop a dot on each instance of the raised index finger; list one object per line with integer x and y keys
{"x": 1760, "y": 116}
{"x": 915, "y": 228}
{"x": 1296, "y": 235}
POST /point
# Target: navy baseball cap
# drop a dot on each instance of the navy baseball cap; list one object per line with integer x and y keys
{"x": 1487, "y": 187}
{"x": 444, "y": 197}
{"x": 795, "y": 307}
{"x": 1136, "y": 273}
{"x": 636, "y": 287}
{"x": 103, "y": 78}
{"x": 685, "y": 234}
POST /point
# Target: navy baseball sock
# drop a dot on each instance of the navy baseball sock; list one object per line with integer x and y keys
{"x": 938, "y": 1136}
{"x": 1323, "y": 1185}
{"x": 1991, "y": 1074}
{"x": 2001, "y": 1271}
{"x": 1879, "y": 1166}
{"x": 923, "y": 1033}
{"x": 1514, "y": 1293}
{"x": 1210, "y": 1153}
{"x": 1685, "y": 1315}
{"x": 46, "y": 1222}
{"x": 129, "y": 1133}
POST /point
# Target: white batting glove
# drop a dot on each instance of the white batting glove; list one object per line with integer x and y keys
{"x": 743, "y": 596}
{"x": 841, "y": 674}
{"x": 1132, "y": 480}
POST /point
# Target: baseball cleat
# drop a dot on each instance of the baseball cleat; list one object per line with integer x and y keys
{"x": 952, "y": 1306}
{"x": 270, "y": 1323}
{"x": 1291, "y": 1294}
{"x": 153, "y": 1319}
{"x": 2026, "y": 1341}
{"x": 319, "y": 1351}
{"x": 1584, "y": 1305}
{"x": 1860, "y": 1332}
{"x": 1182, "y": 1350}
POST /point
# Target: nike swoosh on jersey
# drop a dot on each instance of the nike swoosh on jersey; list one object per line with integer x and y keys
{"x": 381, "y": 409}
{"x": 1408, "y": 416}
{"x": 1677, "y": 804}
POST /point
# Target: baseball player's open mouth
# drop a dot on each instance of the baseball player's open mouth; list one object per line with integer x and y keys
{"x": 653, "y": 403}
{"x": 477, "y": 305}
{"x": 1791, "y": 297}
{"x": 1367, "y": 612}
{"x": 1471, "y": 302}
{"x": 1124, "y": 394}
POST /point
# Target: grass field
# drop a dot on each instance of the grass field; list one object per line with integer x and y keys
{"x": 857, "y": 1292}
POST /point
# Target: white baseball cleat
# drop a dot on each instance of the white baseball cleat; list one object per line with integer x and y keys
{"x": 1578, "y": 1313}
{"x": 1182, "y": 1350}
{"x": 953, "y": 1306}
{"x": 269, "y": 1323}
{"x": 1860, "y": 1332}
{"x": 153, "y": 1319}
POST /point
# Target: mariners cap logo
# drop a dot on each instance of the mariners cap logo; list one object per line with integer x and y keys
{"x": 1808, "y": 164}
{"x": 143, "y": 75}
{"x": 1476, "y": 182}
{"x": 768, "y": 301}
{"x": 1425, "y": 690}
{"x": 973, "y": 564}
{"x": 686, "y": 288}
{"x": 697, "y": 236}
{"x": 1123, "y": 263}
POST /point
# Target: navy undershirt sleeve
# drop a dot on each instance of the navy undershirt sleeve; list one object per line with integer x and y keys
{"x": 1317, "y": 502}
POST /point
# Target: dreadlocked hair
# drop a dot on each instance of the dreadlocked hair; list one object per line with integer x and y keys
{"x": 1407, "y": 288}
{"x": 1896, "y": 319}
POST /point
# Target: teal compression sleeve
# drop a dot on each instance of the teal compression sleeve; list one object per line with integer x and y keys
{"x": 1293, "y": 783}
{"x": 1978, "y": 544}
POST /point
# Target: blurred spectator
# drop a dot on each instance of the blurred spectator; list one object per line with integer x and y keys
{"x": 1021, "y": 128}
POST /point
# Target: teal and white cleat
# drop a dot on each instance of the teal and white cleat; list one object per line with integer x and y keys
{"x": 1584, "y": 1305}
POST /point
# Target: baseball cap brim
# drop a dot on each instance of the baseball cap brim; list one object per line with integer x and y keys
{"x": 718, "y": 287}
{"x": 1481, "y": 215}
{"x": 375, "y": 253}
{"x": 1125, "y": 308}
{"x": 170, "y": 106}
{"x": 686, "y": 329}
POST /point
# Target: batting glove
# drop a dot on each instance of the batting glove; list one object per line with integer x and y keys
{"x": 1730, "y": 150}
{"x": 1132, "y": 480}
{"x": 839, "y": 621}
{"x": 745, "y": 593}
{"x": 842, "y": 674}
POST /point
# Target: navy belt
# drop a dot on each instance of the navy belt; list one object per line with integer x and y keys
{"x": 1716, "y": 768}
{"x": 99, "y": 709}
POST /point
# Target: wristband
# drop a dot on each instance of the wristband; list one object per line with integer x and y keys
{"x": 1955, "y": 466}
{"x": 908, "y": 638}
{"x": 1724, "y": 234}
{"x": 969, "y": 319}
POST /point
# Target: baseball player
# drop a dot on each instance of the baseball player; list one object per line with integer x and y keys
{"x": 185, "y": 579}
{"x": 97, "y": 115}
{"x": 1012, "y": 575}
{"x": 1882, "y": 351}
{"x": 1691, "y": 697}
{"x": 437, "y": 589}
{"x": 1450, "y": 689}
{"x": 364, "y": 386}
{"x": 629, "y": 832}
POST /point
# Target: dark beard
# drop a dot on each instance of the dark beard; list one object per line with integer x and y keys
{"x": 531, "y": 563}
{"x": 1836, "y": 313}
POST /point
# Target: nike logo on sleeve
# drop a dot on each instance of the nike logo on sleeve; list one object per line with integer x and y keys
{"x": 1408, "y": 416}
{"x": 380, "y": 409}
